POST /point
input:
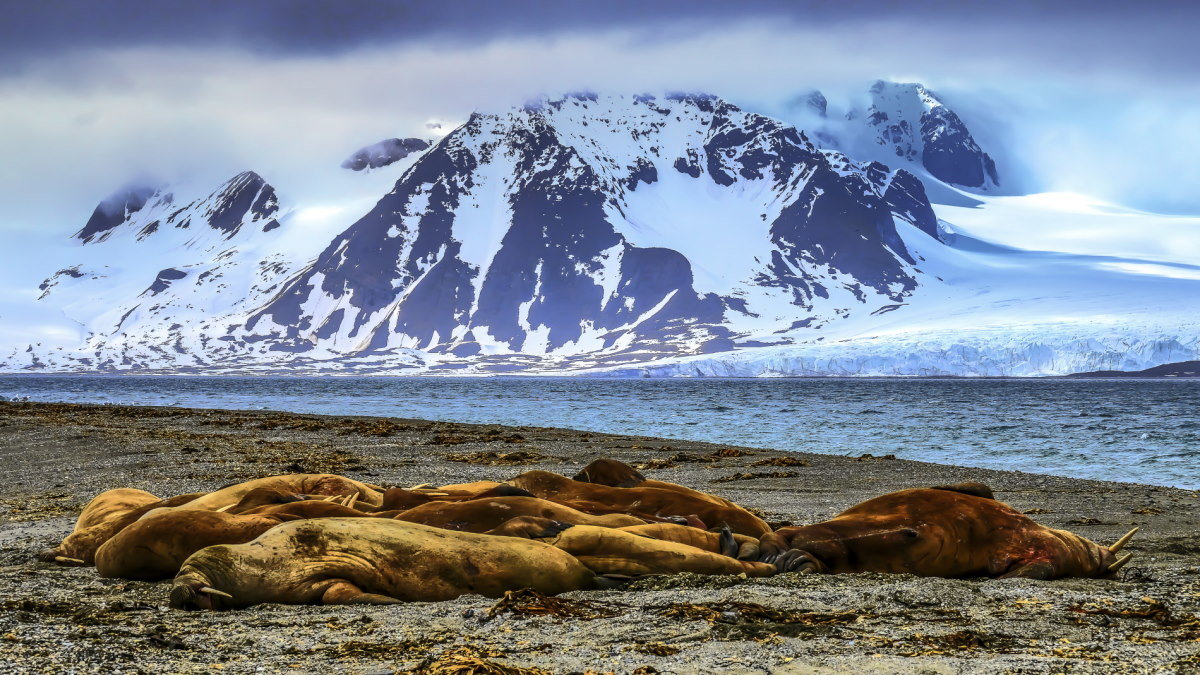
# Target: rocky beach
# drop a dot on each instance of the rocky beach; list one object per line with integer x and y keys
{"x": 60, "y": 619}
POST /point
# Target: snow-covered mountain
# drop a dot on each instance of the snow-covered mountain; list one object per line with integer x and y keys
{"x": 675, "y": 235}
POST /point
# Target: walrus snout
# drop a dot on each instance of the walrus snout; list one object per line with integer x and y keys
{"x": 54, "y": 555}
{"x": 197, "y": 595}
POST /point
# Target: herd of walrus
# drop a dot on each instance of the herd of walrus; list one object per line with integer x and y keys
{"x": 327, "y": 539}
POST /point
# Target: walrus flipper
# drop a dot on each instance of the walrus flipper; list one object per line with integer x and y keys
{"x": 345, "y": 593}
{"x": 969, "y": 488}
{"x": 1038, "y": 570}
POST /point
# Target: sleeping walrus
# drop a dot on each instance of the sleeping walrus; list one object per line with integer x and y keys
{"x": 107, "y": 514}
{"x": 337, "y": 561}
{"x": 648, "y": 503}
{"x": 318, "y": 484}
{"x": 381, "y": 561}
{"x": 481, "y": 515}
{"x": 951, "y": 531}
{"x": 155, "y": 548}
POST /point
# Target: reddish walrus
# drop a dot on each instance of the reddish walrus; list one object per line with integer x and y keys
{"x": 648, "y": 503}
{"x": 615, "y": 473}
{"x": 951, "y": 531}
{"x": 339, "y": 561}
{"x": 107, "y": 514}
{"x": 481, "y": 515}
{"x": 154, "y": 548}
{"x": 313, "y": 484}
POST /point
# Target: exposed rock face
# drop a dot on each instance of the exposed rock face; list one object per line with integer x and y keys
{"x": 383, "y": 153}
{"x": 919, "y": 127}
{"x": 539, "y": 231}
{"x": 115, "y": 210}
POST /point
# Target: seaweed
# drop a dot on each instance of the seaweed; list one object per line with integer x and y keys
{"x": 528, "y": 602}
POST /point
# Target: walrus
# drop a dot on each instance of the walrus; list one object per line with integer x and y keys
{"x": 627, "y": 552}
{"x": 155, "y": 548}
{"x": 407, "y": 498}
{"x": 481, "y": 515}
{"x": 321, "y": 484}
{"x": 370, "y": 561}
{"x": 615, "y": 473}
{"x": 949, "y": 531}
{"x": 105, "y": 515}
{"x": 648, "y": 503}
{"x": 724, "y": 542}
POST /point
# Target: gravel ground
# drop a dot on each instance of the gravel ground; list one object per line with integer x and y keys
{"x": 56, "y": 457}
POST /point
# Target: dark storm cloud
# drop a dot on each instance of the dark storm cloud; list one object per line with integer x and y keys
{"x": 31, "y": 28}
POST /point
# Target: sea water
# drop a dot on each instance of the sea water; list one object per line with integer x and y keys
{"x": 1145, "y": 431}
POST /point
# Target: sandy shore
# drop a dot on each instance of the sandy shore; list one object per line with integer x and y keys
{"x": 56, "y": 457}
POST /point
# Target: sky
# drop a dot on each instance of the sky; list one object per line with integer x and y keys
{"x": 1101, "y": 98}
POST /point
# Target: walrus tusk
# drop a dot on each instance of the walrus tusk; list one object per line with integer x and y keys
{"x": 64, "y": 559}
{"x": 1121, "y": 562}
{"x": 1123, "y": 540}
{"x": 212, "y": 591}
{"x": 352, "y": 500}
{"x": 225, "y": 508}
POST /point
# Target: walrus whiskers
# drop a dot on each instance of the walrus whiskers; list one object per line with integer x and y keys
{"x": 1123, "y": 540}
{"x": 212, "y": 591}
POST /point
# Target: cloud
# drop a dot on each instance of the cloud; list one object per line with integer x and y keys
{"x": 1079, "y": 109}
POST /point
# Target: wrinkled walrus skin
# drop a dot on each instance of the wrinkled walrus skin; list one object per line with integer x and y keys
{"x": 103, "y": 517}
{"x": 154, "y": 548}
{"x": 481, "y": 515}
{"x": 936, "y": 532}
{"x": 299, "y": 484}
{"x": 370, "y": 561}
{"x": 648, "y": 503}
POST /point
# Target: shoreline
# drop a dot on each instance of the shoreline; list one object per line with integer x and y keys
{"x": 59, "y": 455}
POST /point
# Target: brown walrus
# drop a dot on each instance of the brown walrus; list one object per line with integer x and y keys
{"x": 407, "y": 498}
{"x": 723, "y": 542}
{"x": 627, "y": 552}
{"x": 615, "y": 473}
{"x": 481, "y": 515}
{"x": 370, "y": 561}
{"x": 321, "y": 484}
{"x": 154, "y": 548}
{"x": 107, "y": 514}
{"x": 648, "y": 503}
{"x": 950, "y": 531}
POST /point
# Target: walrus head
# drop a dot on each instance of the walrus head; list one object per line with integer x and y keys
{"x": 1110, "y": 562}
{"x": 611, "y": 472}
{"x": 55, "y": 555}
{"x": 193, "y": 595}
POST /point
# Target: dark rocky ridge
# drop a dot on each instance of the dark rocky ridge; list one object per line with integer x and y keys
{"x": 383, "y": 153}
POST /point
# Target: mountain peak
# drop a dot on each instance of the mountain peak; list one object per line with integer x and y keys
{"x": 116, "y": 209}
{"x": 916, "y": 124}
{"x": 383, "y": 153}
